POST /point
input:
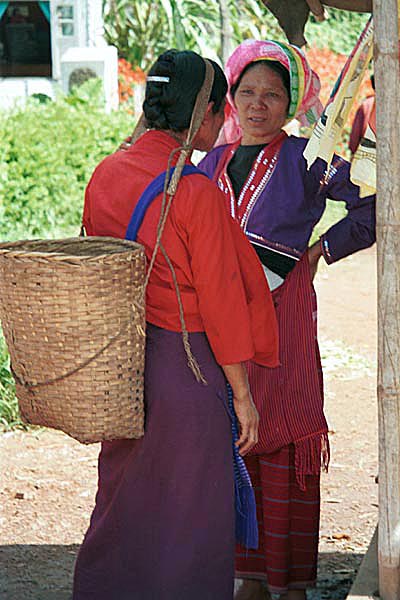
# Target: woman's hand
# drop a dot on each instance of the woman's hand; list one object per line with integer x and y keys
{"x": 314, "y": 254}
{"x": 245, "y": 409}
{"x": 248, "y": 418}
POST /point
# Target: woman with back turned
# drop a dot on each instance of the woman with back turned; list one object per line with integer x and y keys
{"x": 163, "y": 527}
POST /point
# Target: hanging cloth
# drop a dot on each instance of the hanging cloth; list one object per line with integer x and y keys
{"x": 327, "y": 131}
{"x": 363, "y": 164}
{"x": 45, "y": 8}
{"x": 3, "y": 8}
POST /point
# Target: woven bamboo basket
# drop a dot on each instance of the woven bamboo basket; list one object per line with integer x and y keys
{"x": 73, "y": 318}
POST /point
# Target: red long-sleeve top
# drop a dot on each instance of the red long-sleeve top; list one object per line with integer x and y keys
{"x": 221, "y": 282}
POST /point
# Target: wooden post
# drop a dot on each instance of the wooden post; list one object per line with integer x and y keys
{"x": 387, "y": 79}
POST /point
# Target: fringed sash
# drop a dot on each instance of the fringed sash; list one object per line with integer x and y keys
{"x": 289, "y": 398}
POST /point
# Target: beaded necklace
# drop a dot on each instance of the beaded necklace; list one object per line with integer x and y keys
{"x": 257, "y": 179}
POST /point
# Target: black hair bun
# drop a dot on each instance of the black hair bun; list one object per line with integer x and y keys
{"x": 169, "y": 103}
{"x": 156, "y": 103}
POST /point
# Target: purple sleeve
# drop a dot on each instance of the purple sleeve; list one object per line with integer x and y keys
{"x": 209, "y": 163}
{"x": 357, "y": 229}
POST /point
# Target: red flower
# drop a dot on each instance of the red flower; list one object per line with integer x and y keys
{"x": 328, "y": 65}
{"x": 128, "y": 77}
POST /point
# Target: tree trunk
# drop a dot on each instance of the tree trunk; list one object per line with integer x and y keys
{"x": 387, "y": 80}
{"x": 226, "y": 31}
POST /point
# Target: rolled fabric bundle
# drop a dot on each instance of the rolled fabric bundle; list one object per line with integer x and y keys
{"x": 327, "y": 131}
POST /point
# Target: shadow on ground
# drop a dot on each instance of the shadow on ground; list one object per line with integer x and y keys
{"x": 36, "y": 572}
{"x": 336, "y": 573}
{"x": 44, "y": 572}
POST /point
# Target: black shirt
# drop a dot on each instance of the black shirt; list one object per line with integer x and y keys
{"x": 240, "y": 165}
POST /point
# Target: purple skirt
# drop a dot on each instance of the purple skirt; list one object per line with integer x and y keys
{"x": 163, "y": 527}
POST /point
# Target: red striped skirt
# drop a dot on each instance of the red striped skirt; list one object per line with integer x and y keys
{"x": 288, "y": 522}
{"x": 289, "y": 398}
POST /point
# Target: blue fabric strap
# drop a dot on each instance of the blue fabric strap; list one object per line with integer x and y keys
{"x": 245, "y": 502}
{"x": 152, "y": 190}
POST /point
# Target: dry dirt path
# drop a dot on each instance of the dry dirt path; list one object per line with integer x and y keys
{"x": 47, "y": 480}
{"x": 349, "y": 510}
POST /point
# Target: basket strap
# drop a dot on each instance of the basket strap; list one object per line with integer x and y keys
{"x": 150, "y": 193}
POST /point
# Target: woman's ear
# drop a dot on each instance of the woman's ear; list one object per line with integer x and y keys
{"x": 206, "y": 119}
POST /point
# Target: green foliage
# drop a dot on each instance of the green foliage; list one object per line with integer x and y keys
{"x": 9, "y": 414}
{"x": 47, "y": 154}
{"x": 142, "y": 30}
{"x": 48, "y": 151}
{"x": 339, "y": 32}
{"x": 251, "y": 19}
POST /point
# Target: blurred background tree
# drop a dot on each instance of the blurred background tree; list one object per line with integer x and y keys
{"x": 142, "y": 29}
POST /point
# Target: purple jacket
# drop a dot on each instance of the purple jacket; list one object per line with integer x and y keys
{"x": 294, "y": 200}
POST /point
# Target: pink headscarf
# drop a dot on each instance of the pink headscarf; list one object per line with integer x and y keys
{"x": 304, "y": 82}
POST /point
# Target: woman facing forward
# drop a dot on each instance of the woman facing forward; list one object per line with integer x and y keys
{"x": 163, "y": 525}
{"x": 277, "y": 202}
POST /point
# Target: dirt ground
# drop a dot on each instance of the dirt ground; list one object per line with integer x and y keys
{"x": 48, "y": 480}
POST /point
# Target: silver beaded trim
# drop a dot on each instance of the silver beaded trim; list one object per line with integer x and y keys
{"x": 254, "y": 197}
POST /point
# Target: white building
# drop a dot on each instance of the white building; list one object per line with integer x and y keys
{"x": 42, "y": 42}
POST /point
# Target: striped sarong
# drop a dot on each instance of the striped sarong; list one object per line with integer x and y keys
{"x": 288, "y": 524}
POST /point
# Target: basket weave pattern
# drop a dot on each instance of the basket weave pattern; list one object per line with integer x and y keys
{"x": 73, "y": 318}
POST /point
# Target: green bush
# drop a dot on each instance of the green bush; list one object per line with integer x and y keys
{"x": 48, "y": 151}
{"x": 339, "y": 32}
{"x": 9, "y": 414}
{"x": 47, "y": 154}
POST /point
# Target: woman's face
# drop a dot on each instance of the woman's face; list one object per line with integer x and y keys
{"x": 262, "y": 102}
